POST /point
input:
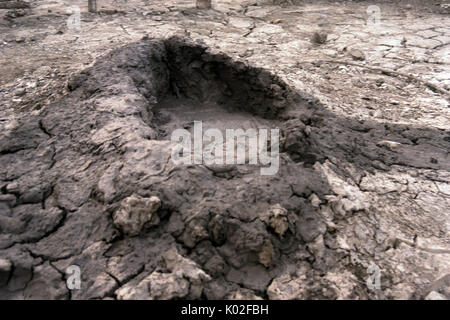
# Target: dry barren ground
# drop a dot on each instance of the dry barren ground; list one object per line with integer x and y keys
{"x": 364, "y": 178}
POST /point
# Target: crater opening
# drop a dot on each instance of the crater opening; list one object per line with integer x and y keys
{"x": 184, "y": 81}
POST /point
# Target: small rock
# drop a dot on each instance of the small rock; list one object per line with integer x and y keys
{"x": 391, "y": 242}
{"x": 331, "y": 227}
{"x": 276, "y": 218}
{"x": 190, "y": 270}
{"x": 203, "y": 4}
{"x": 195, "y": 231}
{"x": 390, "y": 145}
{"x": 216, "y": 266}
{"x": 433, "y": 295}
{"x": 308, "y": 131}
{"x": 161, "y": 286}
{"x": 304, "y": 287}
{"x": 403, "y": 42}
{"x": 135, "y": 212}
{"x": 324, "y": 259}
{"x": 276, "y": 21}
{"x": 357, "y": 54}
{"x": 185, "y": 279}
{"x": 267, "y": 254}
{"x": 315, "y": 201}
{"x": 19, "y": 92}
{"x": 187, "y": 269}
{"x": 319, "y": 37}
{"x": 326, "y": 212}
{"x": 284, "y": 288}
{"x": 16, "y": 13}
{"x": 244, "y": 294}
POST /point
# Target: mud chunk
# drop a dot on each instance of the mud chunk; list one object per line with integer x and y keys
{"x": 21, "y": 91}
{"x": 177, "y": 263}
{"x": 195, "y": 232}
{"x": 433, "y": 295}
{"x": 356, "y": 54}
{"x": 244, "y": 294}
{"x": 215, "y": 266}
{"x": 390, "y": 145}
{"x": 310, "y": 225}
{"x": 295, "y": 142}
{"x": 244, "y": 242}
{"x": 76, "y": 81}
{"x": 216, "y": 229}
{"x": 187, "y": 269}
{"x": 185, "y": 279}
{"x": 315, "y": 201}
{"x": 319, "y": 37}
{"x": 305, "y": 286}
{"x": 163, "y": 286}
{"x": 324, "y": 258}
{"x": 276, "y": 218}
{"x": 284, "y": 288}
{"x": 203, "y": 4}
{"x": 175, "y": 226}
{"x": 267, "y": 254}
{"x": 135, "y": 213}
{"x": 294, "y": 135}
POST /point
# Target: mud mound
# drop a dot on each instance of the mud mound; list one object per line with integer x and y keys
{"x": 90, "y": 182}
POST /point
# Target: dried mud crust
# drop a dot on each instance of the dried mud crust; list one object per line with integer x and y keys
{"x": 221, "y": 232}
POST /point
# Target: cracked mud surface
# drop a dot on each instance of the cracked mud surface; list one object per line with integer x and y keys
{"x": 353, "y": 188}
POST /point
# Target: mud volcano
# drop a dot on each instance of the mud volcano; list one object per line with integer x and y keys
{"x": 90, "y": 182}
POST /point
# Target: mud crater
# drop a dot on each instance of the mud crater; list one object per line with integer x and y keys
{"x": 69, "y": 167}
